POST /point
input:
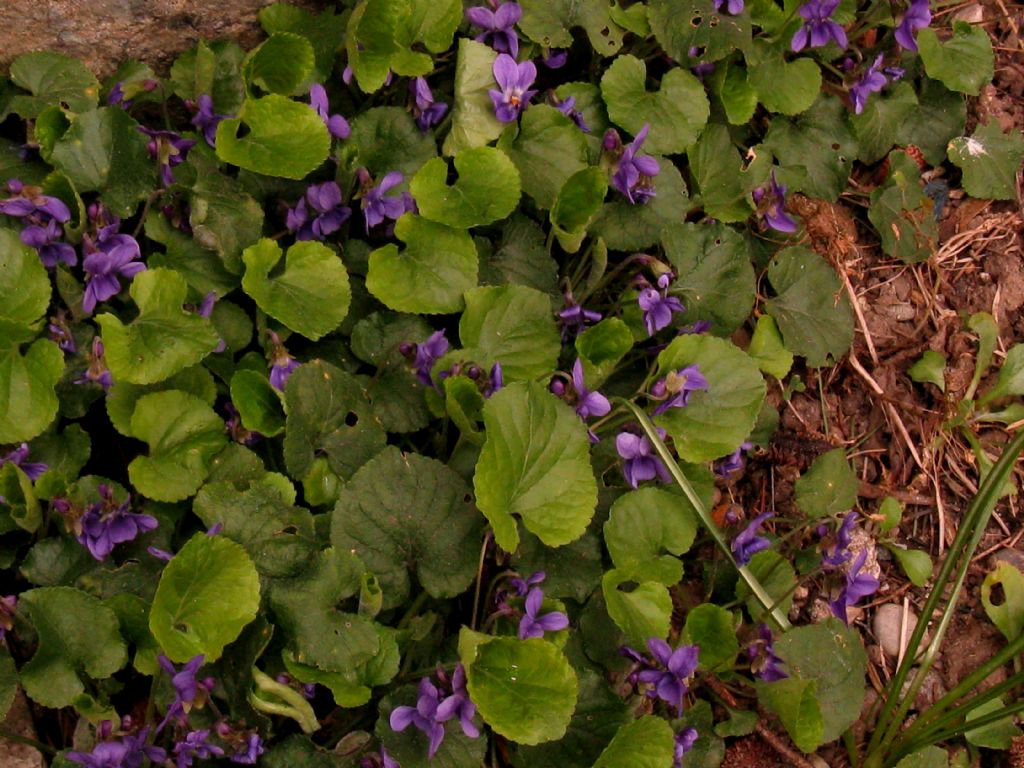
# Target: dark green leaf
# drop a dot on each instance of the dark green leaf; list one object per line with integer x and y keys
{"x": 52, "y": 78}
{"x": 601, "y": 347}
{"x": 717, "y": 170}
{"x": 28, "y": 401}
{"x": 548, "y": 22}
{"x": 680, "y": 26}
{"x": 520, "y": 258}
{"x": 626, "y": 227}
{"x": 223, "y": 217}
{"x": 644, "y": 743}
{"x": 577, "y": 204}
{"x": 212, "y": 69}
{"x": 828, "y": 487}
{"x": 795, "y": 701}
{"x": 941, "y": 115}
{"x": 387, "y": 139}
{"x": 989, "y": 160}
{"x": 258, "y": 403}
{"x": 877, "y": 127}
{"x": 283, "y": 63}
{"x": 711, "y": 627}
{"x": 902, "y": 214}
{"x": 962, "y": 63}
{"x": 787, "y": 87}
{"x": 325, "y": 31}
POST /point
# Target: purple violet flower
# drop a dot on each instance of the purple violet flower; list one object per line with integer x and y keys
{"x": 534, "y": 623}
{"x": 658, "y": 306}
{"x": 747, "y": 543}
{"x": 423, "y": 716}
{"x": 318, "y": 213}
{"x": 764, "y": 663}
{"x": 634, "y": 172}
{"x": 684, "y": 741}
{"x": 918, "y": 16}
{"x": 522, "y": 586}
{"x": 205, "y": 309}
{"x": 97, "y": 372}
{"x": 168, "y": 149}
{"x": 734, "y": 461}
{"x": 669, "y": 672}
{"x": 568, "y": 108}
{"x": 702, "y": 68}
{"x": 640, "y": 460}
{"x": 514, "y": 80}
{"x": 196, "y": 744}
{"x": 839, "y": 554}
{"x": 8, "y": 605}
{"x": 189, "y": 691}
{"x": 105, "y": 524}
{"x": 377, "y": 207}
{"x": 587, "y": 403}
{"x": 247, "y": 745}
{"x": 771, "y": 202}
{"x": 675, "y": 388}
{"x": 426, "y": 354}
{"x": 41, "y": 214}
{"x": 127, "y": 753}
{"x": 386, "y": 760}
{"x": 459, "y": 705}
{"x": 574, "y": 318}
{"x": 18, "y": 457}
{"x": 857, "y": 585}
{"x": 732, "y": 7}
{"x": 107, "y": 255}
{"x": 206, "y": 120}
{"x": 337, "y": 125}
{"x": 282, "y": 365}
{"x": 495, "y": 380}
{"x": 818, "y": 26}
{"x": 872, "y": 81}
{"x": 498, "y": 27}
{"x": 555, "y": 59}
{"x": 427, "y": 112}
{"x": 60, "y": 334}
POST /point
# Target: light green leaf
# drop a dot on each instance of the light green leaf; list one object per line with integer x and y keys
{"x": 787, "y": 87}
{"x": 915, "y": 563}
{"x": 284, "y": 138}
{"x": 810, "y": 307}
{"x": 328, "y": 414}
{"x": 731, "y": 85}
{"x": 712, "y": 628}
{"x": 931, "y": 367}
{"x": 206, "y": 596}
{"x": 891, "y": 513}
{"x": 223, "y": 217}
{"x": 310, "y": 296}
{"x": 777, "y": 577}
{"x": 767, "y": 349}
{"x": 184, "y": 434}
{"x": 902, "y": 214}
{"x": 325, "y": 31}
{"x": 104, "y": 150}
{"x": 645, "y": 524}
{"x": 644, "y": 743}
{"x": 983, "y": 324}
{"x": 548, "y": 22}
{"x": 258, "y": 403}
{"x": 577, "y": 204}
{"x": 351, "y": 688}
{"x": 716, "y": 421}
{"x": 53, "y": 677}
{"x": 487, "y": 189}
{"x": 122, "y": 399}
{"x": 201, "y": 267}
{"x": 278, "y": 536}
{"x": 998, "y": 735}
{"x": 524, "y": 689}
{"x": 828, "y": 487}
{"x": 795, "y": 701}
{"x": 164, "y": 339}
{"x": 680, "y": 25}
{"x": 929, "y": 757}
{"x": 213, "y": 69}
{"x": 677, "y": 112}
{"x": 1008, "y": 614}
{"x": 626, "y": 227}
{"x": 878, "y": 125}
{"x": 386, "y": 139}
{"x": 641, "y": 613}
{"x": 534, "y": 464}
{"x": 19, "y": 497}
{"x": 714, "y": 277}
{"x": 513, "y": 325}
{"x": 473, "y": 121}
{"x": 28, "y": 402}
{"x": 52, "y": 78}
{"x": 25, "y": 287}
{"x": 430, "y": 275}
{"x": 962, "y": 63}
{"x": 601, "y": 347}
{"x": 989, "y": 160}
{"x": 1011, "y": 376}
{"x": 406, "y": 512}
{"x": 547, "y": 149}
{"x": 283, "y": 63}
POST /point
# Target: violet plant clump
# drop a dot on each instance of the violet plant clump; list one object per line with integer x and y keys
{"x": 371, "y": 430}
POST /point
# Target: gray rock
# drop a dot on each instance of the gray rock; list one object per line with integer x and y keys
{"x": 886, "y": 625}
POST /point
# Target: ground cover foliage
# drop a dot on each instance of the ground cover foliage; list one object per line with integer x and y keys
{"x": 376, "y": 397}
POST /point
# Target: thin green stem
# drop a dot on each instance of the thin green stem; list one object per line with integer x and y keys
{"x": 968, "y": 535}
{"x": 979, "y": 722}
{"x": 705, "y": 515}
{"x": 17, "y": 738}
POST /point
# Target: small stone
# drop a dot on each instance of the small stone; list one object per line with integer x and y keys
{"x": 890, "y": 633}
{"x": 1012, "y": 556}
